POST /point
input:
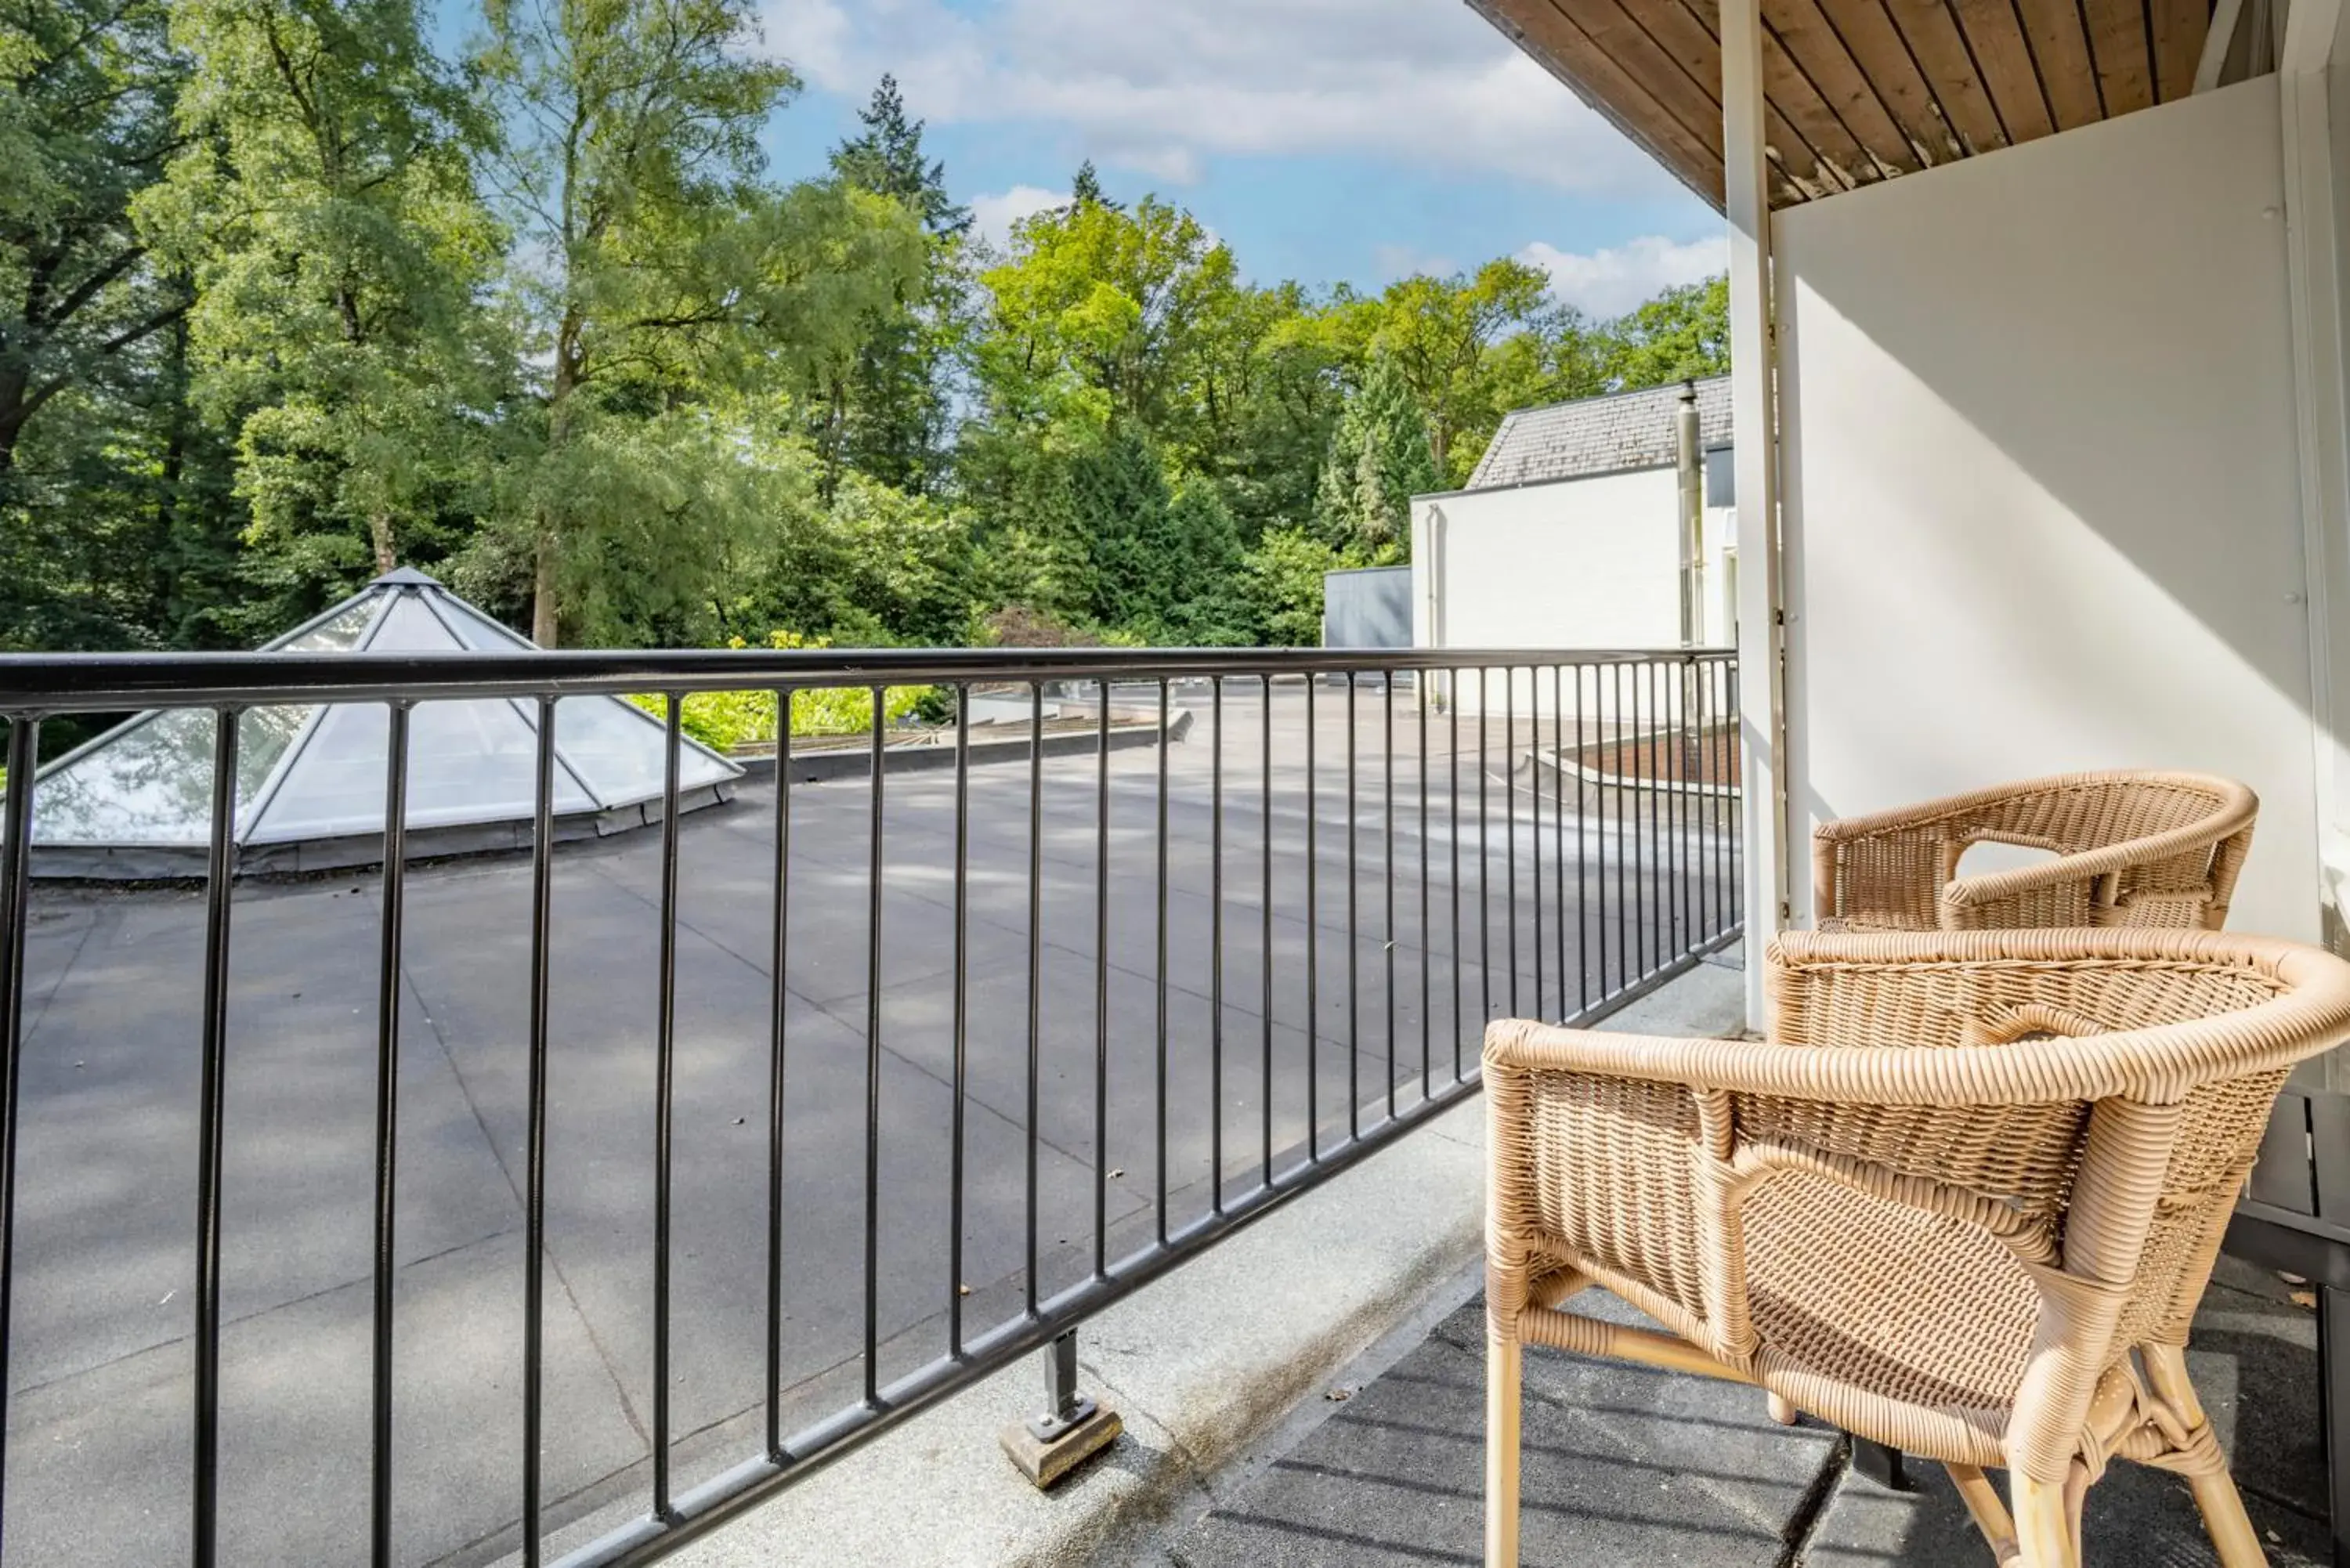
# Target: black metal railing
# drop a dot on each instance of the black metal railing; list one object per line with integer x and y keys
{"x": 972, "y": 1009}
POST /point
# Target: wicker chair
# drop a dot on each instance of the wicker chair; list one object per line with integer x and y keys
{"x": 2133, "y": 849}
{"x": 1963, "y": 1201}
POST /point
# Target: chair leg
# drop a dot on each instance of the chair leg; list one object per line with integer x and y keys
{"x": 2044, "y": 1523}
{"x": 1990, "y": 1514}
{"x": 2232, "y": 1536}
{"x": 2231, "y": 1529}
{"x": 1504, "y": 1366}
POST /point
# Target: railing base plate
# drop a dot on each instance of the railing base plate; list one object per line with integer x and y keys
{"x": 1046, "y": 1463}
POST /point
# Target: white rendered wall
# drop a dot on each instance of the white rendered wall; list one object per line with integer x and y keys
{"x": 1580, "y": 564}
{"x": 2041, "y": 508}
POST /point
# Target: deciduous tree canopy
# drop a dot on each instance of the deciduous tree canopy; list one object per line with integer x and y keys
{"x": 288, "y": 297}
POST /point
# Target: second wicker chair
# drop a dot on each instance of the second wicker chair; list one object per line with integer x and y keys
{"x": 1963, "y": 1201}
{"x": 2130, "y": 849}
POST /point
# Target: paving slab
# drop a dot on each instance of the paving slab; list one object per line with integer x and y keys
{"x": 1620, "y": 1466}
{"x": 2253, "y": 1356}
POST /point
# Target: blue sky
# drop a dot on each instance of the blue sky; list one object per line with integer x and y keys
{"x": 1327, "y": 140}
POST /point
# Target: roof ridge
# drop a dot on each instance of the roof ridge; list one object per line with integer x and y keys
{"x": 1615, "y": 432}
{"x": 1596, "y": 398}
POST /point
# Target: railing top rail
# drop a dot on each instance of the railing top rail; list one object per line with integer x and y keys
{"x": 36, "y": 683}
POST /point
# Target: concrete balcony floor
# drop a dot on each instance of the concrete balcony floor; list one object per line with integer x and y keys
{"x": 1626, "y": 1465}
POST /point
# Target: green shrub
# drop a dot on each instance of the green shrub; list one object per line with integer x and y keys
{"x": 724, "y": 721}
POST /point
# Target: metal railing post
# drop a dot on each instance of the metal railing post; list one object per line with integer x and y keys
{"x": 1069, "y": 1429}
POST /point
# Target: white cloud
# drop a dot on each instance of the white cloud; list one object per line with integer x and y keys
{"x": 1609, "y": 282}
{"x": 1159, "y": 86}
{"x": 992, "y": 216}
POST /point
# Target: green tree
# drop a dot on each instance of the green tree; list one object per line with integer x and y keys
{"x": 888, "y": 411}
{"x": 1099, "y": 314}
{"x": 1086, "y": 188}
{"x": 1283, "y": 587}
{"x": 87, "y": 91}
{"x": 1682, "y": 333}
{"x": 1439, "y": 334}
{"x": 1380, "y": 457}
{"x": 888, "y": 160}
{"x": 325, "y": 205}
{"x": 655, "y": 266}
{"x": 1119, "y": 498}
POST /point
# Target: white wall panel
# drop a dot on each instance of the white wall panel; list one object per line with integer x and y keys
{"x": 2041, "y": 504}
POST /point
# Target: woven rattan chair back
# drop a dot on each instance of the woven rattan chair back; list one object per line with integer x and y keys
{"x": 2157, "y": 849}
{"x": 1963, "y": 1200}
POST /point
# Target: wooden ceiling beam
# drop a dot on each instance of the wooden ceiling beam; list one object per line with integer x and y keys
{"x": 2118, "y": 42}
{"x": 1808, "y": 146}
{"x": 1859, "y": 90}
{"x": 1994, "y": 38}
{"x": 1940, "y": 50}
{"x": 2060, "y": 50}
{"x": 2179, "y": 29}
{"x": 1676, "y": 87}
{"x": 1866, "y": 29}
{"x": 1814, "y": 47}
{"x": 1552, "y": 38}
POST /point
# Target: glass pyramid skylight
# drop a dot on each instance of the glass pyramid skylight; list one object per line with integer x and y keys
{"x": 314, "y": 773}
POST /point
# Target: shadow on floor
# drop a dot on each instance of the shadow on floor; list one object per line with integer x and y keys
{"x": 1625, "y": 1465}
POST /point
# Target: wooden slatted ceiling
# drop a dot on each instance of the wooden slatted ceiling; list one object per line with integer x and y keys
{"x": 1862, "y": 90}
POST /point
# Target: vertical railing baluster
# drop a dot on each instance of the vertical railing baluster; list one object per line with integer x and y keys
{"x": 1702, "y": 801}
{"x": 534, "y": 1269}
{"x": 778, "y": 963}
{"x": 1354, "y": 937}
{"x": 1101, "y": 988}
{"x": 1313, "y": 933}
{"x": 1452, "y": 844}
{"x": 1510, "y": 814}
{"x": 1533, "y": 793}
{"x": 386, "y": 1122}
{"x": 1419, "y": 682}
{"x": 1660, "y": 805}
{"x": 1617, "y": 749}
{"x": 1736, "y": 715}
{"x": 1386, "y": 867}
{"x": 876, "y": 845}
{"x": 1558, "y": 823}
{"x": 1484, "y": 847}
{"x": 1160, "y": 960}
{"x": 1585, "y": 846}
{"x": 1264, "y": 915}
{"x": 959, "y": 1129}
{"x": 1683, "y": 697}
{"x": 1216, "y": 944}
{"x": 665, "y": 1095}
{"x": 1723, "y": 768}
{"x": 15, "y": 909}
{"x": 1035, "y": 977}
{"x": 211, "y": 1095}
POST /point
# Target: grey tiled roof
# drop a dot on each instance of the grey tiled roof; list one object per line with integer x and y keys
{"x": 1598, "y": 435}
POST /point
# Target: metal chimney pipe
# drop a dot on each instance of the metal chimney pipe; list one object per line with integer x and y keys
{"x": 1690, "y": 460}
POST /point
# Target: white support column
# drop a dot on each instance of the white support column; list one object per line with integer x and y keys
{"x": 2314, "y": 264}
{"x": 1754, "y": 417}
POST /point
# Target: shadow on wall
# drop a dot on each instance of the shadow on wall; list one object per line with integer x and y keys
{"x": 2041, "y": 505}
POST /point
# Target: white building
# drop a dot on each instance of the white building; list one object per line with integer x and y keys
{"x": 1568, "y": 534}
